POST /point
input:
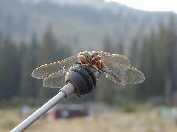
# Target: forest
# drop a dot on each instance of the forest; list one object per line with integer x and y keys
{"x": 156, "y": 57}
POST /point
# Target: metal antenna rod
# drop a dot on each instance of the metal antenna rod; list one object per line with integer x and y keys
{"x": 65, "y": 91}
{"x": 79, "y": 79}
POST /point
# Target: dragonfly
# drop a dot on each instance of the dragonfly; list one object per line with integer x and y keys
{"x": 115, "y": 67}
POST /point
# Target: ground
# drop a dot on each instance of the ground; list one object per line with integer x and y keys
{"x": 141, "y": 121}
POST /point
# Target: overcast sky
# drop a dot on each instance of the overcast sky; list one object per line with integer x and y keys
{"x": 150, "y": 5}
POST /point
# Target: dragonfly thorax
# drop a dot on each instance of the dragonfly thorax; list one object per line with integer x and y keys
{"x": 91, "y": 58}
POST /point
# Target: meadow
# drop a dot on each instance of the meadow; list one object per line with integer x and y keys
{"x": 123, "y": 121}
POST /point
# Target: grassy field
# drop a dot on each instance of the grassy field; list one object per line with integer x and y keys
{"x": 139, "y": 121}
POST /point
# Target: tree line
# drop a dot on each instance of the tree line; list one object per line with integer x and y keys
{"x": 155, "y": 56}
{"x": 17, "y": 61}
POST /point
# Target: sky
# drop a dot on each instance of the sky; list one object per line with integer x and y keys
{"x": 150, "y": 5}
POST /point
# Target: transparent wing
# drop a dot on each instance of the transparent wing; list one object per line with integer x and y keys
{"x": 132, "y": 76}
{"x": 114, "y": 61}
{"x": 45, "y": 70}
{"x": 55, "y": 80}
{"x": 125, "y": 77}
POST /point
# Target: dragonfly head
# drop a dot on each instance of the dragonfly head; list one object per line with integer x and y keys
{"x": 97, "y": 60}
{"x": 92, "y": 58}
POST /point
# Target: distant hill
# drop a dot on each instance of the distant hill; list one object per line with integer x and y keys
{"x": 84, "y": 24}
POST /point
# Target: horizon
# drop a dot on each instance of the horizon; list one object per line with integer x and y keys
{"x": 149, "y": 5}
{"x": 142, "y": 5}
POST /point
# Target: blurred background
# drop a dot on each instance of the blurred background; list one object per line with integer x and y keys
{"x": 35, "y": 32}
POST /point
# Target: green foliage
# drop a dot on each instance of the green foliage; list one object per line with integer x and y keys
{"x": 18, "y": 61}
{"x": 158, "y": 62}
{"x": 154, "y": 84}
{"x": 9, "y": 68}
{"x": 29, "y": 60}
{"x": 50, "y": 50}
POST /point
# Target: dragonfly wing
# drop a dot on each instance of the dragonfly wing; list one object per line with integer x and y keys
{"x": 55, "y": 80}
{"x": 45, "y": 70}
{"x": 129, "y": 76}
{"x": 133, "y": 76}
{"x": 112, "y": 76}
{"x": 114, "y": 61}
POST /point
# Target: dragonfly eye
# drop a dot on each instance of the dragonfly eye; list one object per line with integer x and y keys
{"x": 82, "y": 59}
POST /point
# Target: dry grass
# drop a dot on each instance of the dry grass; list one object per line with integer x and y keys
{"x": 146, "y": 121}
{"x": 8, "y": 119}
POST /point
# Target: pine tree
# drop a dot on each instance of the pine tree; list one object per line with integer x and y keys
{"x": 9, "y": 69}
{"x": 134, "y": 53}
{"x": 171, "y": 62}
{"x": 152, "y": 85}
{"x": 159, "y": 64}
{"x": 29, "y": 86}
{"x": 105, "y": 91}
{"x": 51, "y": 50}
